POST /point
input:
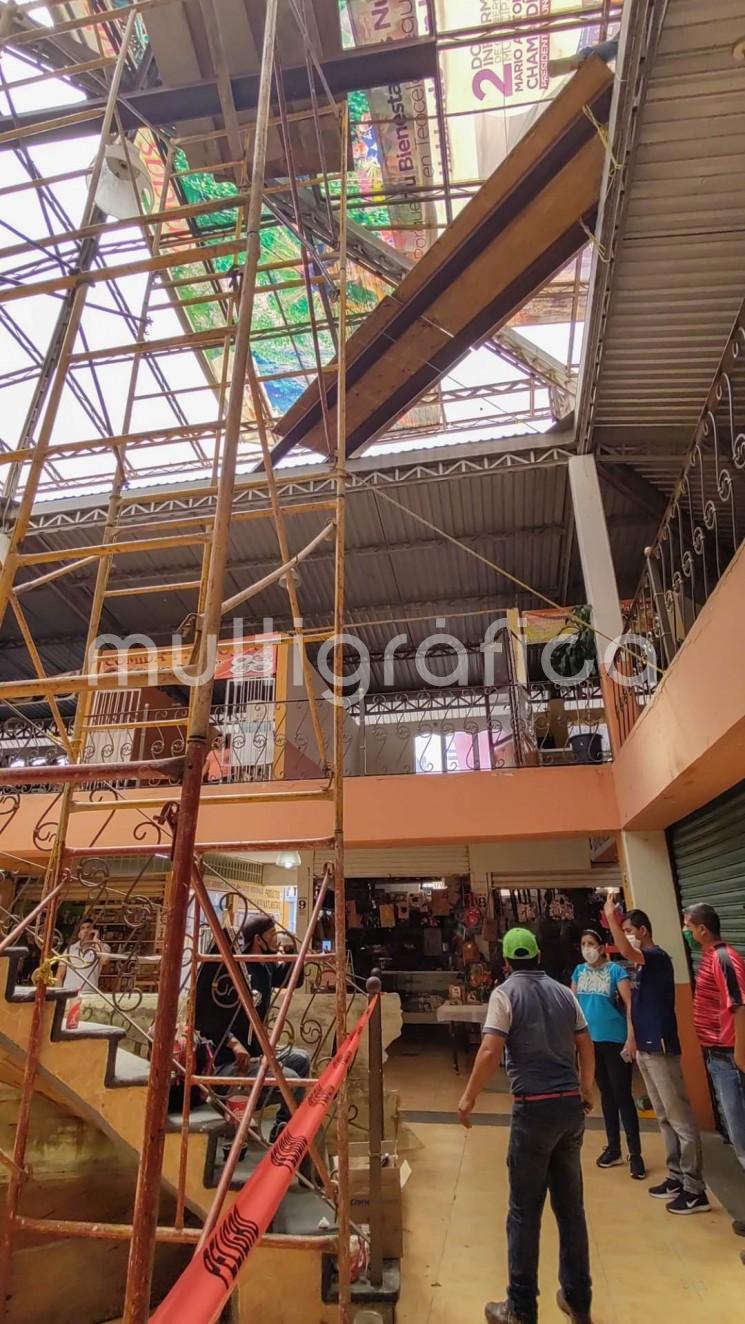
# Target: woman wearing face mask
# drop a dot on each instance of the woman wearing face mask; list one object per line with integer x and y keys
{"x": 603, "y": 990}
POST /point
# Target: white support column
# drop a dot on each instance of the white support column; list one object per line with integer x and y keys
{"x": 650, "y": 886}
{"x": 598, "y": 571}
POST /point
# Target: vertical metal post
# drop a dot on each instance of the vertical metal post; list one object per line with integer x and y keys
{"x": 340, "y": 914}
{"x": 147, "y": 1198}
{"x": 660, "y": 605}
{"x": 363, "y": 735}
{"x": 375, "y": 1089}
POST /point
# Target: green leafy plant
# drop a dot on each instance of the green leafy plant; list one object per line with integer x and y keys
{"x": 576, "y": 649}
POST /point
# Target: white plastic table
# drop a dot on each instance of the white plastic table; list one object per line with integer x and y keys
{"x": 454, "y": 1014}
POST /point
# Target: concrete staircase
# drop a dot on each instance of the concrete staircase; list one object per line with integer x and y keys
{"x": 87, "y": 1071}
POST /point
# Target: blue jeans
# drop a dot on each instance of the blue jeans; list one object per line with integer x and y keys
{"x": 544, "y": 1158}
{"x": 729, "y": 1087}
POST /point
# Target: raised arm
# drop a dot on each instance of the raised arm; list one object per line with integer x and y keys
{"x": 619, "y": 937}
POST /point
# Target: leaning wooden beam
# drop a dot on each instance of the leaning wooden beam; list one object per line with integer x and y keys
{"x": 526, "y": 223}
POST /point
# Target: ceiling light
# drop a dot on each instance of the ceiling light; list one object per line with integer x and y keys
{"x": 288, "y": 859}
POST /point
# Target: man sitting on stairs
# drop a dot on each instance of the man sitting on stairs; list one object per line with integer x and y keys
{"x": 221, "y": 1018}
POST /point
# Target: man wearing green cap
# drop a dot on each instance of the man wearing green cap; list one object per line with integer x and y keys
{"x": 550, "y": 1063}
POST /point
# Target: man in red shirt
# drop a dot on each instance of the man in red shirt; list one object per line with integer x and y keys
{"x": 718, "y": 1011}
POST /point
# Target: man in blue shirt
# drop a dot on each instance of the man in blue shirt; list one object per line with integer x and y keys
{"x": 658, "y": 1059}
{"x": 539, "y": 1026}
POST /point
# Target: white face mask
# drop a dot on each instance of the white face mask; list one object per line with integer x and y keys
{"x": 636, "y": 943}
{"x": 591, "y": 955}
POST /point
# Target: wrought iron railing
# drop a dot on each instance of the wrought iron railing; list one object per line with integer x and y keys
{"x": 703, "y": 528}
{"x": 435, "y": 731}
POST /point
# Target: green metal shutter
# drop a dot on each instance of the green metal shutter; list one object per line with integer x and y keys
{"x": 708, "y": 851}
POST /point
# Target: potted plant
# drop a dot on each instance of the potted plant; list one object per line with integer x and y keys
{"x": 569, "y": 659}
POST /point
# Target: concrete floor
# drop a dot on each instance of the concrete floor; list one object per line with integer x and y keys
{"x": 645, "y": 1263}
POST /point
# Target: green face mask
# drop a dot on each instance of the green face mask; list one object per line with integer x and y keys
{"x": 691, "y": 942}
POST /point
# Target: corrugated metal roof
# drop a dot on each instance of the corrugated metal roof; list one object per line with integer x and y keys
{"x": 678, "y": 275}
{"x": 398, "y": 569}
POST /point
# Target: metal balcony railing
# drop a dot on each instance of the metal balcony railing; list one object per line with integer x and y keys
{"x": 703, "y": 528}
{"x": 436, "y": 731}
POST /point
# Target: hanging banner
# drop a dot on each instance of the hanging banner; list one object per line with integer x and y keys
{"x": 250, "y": 658}
{"x": 204, "y": 1287}
{"x": 494, "y": 87}
{"x": 394, "y": 141}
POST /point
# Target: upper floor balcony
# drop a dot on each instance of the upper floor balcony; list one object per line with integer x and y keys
{"x": 697, "y": 541}
{"x": 264, "y": 738}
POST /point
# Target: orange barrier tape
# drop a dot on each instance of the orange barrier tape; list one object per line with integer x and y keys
{"x": 203, "y": 1288}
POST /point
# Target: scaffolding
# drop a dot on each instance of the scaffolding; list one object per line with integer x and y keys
{"x": 208, "y": 252}
{"x": 240, "y": 393}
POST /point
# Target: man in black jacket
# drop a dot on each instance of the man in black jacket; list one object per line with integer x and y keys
{"x": 221, "y": 1018}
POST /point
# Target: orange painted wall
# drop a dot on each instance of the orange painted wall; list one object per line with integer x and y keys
{"x": 689, "y": 743}
{"x": 379, "y": 811}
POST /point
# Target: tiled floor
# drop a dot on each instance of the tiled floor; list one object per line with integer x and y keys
{"x": 646, "y": 1264}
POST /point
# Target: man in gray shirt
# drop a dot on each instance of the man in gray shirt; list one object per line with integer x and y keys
{"x": 550, "y": 1063}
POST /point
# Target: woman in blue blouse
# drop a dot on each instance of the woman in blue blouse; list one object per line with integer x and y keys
{"x": 603, "y": 990}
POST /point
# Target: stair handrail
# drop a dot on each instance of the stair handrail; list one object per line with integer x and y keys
{"x": 11, "y": 938}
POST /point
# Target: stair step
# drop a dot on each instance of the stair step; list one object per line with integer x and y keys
{"x": 129, "y": 1069}
{"x": 301, "y": 1213}
{"x": 201, "y": 1120}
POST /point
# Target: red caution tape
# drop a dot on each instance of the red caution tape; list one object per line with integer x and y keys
{"x": 203, "y": 1288}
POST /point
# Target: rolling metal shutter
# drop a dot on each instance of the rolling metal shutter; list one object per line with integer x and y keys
{"x": 708, "y": 851}
{"x": 405, "y": 862}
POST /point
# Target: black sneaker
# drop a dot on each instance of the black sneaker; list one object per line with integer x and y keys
{"x": 610, "y": 1158}
{"x": 637, "y": 1168}
{"x": 276, "y": 1131}
{"x": 685, "y": 1203}
{"x": 666, "y": 1190}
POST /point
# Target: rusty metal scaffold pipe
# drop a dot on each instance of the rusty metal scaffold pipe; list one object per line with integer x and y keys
{"x": 147, "y": 1198}
{"x": 340, "y": 914}
{"x": 76, "y": 774}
